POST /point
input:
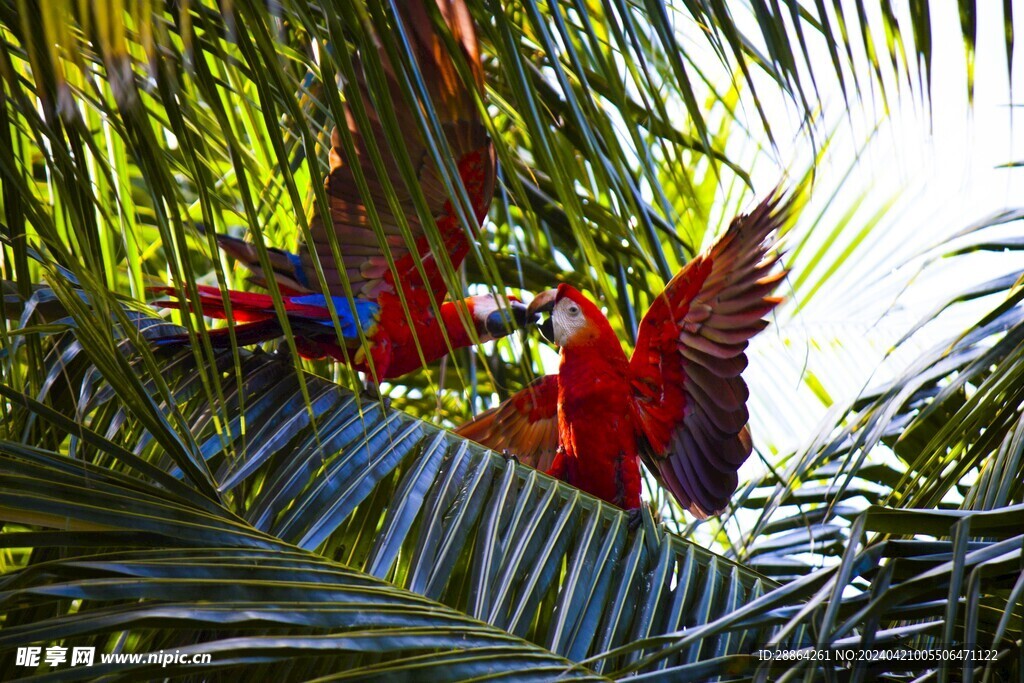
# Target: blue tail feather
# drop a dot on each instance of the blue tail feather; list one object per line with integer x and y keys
{"x": 365, "y": 312}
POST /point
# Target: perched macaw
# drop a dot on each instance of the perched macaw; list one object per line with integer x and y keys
{"x": 377, "y": 307}
{"x": 679, "y": 403}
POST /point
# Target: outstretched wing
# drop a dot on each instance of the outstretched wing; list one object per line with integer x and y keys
{"x": 689, "y": 397}
{"x": 349, "y": 219}
{"x": 525, "y": 425}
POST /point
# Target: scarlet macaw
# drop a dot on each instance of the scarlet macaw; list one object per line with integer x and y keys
{"x": 679, "y": 403}
{"x": 377, "y": 307}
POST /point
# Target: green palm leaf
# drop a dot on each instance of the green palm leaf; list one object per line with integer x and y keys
{"x": 231, "y": 503}
{"x": 359, "y": 487}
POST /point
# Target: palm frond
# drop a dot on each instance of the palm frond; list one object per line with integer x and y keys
{"x": 358, "y": 489}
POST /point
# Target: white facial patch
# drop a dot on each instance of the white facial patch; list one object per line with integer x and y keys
{"x": 483, "y": 306}
{"x": 567, "y": 320}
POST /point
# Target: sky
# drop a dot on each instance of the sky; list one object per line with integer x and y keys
{"x": 939, "y": 167}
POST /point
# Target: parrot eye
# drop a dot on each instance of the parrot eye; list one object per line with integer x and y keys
{"x": 573, "y": 309}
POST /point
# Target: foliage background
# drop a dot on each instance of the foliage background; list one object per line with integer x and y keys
{"x": 628, "y": 135}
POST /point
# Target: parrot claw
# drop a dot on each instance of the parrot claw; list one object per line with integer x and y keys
{"x": 634, "y": 518}
{"x": 509, "y": 455}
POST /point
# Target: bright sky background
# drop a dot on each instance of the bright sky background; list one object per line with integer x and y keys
{"x": 940, "y": 165}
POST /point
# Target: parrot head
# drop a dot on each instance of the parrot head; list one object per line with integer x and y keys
{"x": 575, "y": 321}
{"x": 498, "y": 317}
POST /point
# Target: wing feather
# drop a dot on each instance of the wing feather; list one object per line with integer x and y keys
{"x": 349, "y": 219}
{"x": 689, "y": 396}
{"x": 525, "y": 425}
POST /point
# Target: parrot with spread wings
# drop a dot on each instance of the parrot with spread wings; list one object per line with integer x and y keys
{"x": 396, "y": 334}
{"x": 678, "y": 404}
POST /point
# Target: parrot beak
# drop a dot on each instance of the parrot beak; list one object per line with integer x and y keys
{"x": 502, "y": 323}
{"x": 545, "y": 303}
{"x": 547, "y": 330}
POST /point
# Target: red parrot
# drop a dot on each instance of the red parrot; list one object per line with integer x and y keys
{"x": 377, "y": 307}
{"x": 678, "y": 404}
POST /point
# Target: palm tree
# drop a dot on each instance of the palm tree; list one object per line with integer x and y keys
{"x": 267, "y": 512}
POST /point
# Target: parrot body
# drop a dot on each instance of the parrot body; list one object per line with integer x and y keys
{"x": 595, "y": 431}
{"x": 400, "y": 336}
{"x": 678, "y": 403}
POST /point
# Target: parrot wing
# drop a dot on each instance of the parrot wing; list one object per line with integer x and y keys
{"x": 689, "y": 397}
{"x": 349, "y": 219}
{"x": 525, "y": 425}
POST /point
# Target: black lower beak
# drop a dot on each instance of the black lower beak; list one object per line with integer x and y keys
{"x": 502, "y": 323}
{"x": 545, "y": 303}
{"x": 547, "y": 330}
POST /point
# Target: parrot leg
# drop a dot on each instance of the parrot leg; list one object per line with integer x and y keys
{"x": 509, "y": 455}
{"x": 634, "y": 518}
